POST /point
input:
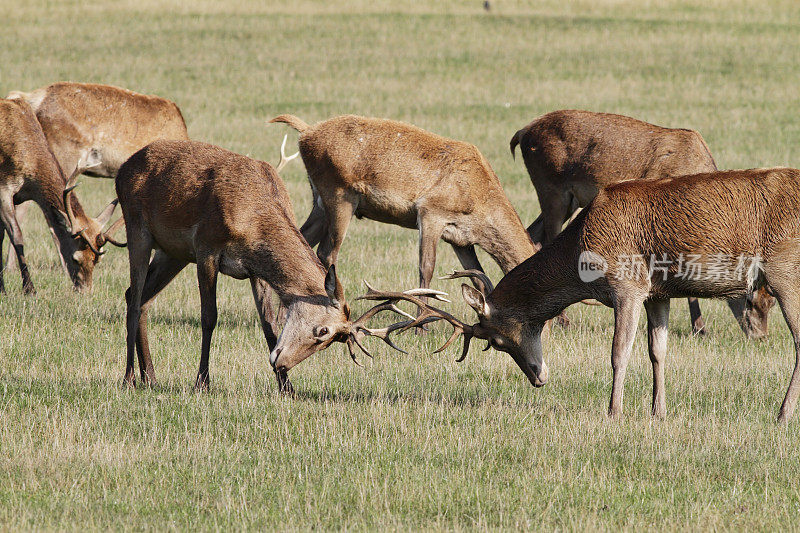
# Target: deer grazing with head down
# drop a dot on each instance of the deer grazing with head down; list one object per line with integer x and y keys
{"x": 99, "y": 122}
{"x": 571, "y": 155}
{"x": 192, "y": 202}
{"x": 399, "y": 174}
{"x": 30, "y": 172}
{"x": 710, "y": 235}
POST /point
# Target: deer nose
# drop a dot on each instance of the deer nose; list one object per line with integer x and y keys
{"x": 273, "y": 357}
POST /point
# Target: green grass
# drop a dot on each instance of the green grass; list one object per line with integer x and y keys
{"x": 412, "y": 441}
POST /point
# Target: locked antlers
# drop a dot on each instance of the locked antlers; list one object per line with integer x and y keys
{"x": 427, "y": 314}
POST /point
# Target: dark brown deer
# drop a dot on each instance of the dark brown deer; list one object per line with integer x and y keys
{"x": 100, "y": 122}
{"x": 192, "y": 202}
{"x": 28, "y": 171}
{"x": 399, "y": 174}
{"x": 571, "y": 155}
{"x": 633, "y": 245}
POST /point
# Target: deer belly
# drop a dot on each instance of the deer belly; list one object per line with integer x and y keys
{"x": 233, "y": 266}
{"x": 387, "y": 208}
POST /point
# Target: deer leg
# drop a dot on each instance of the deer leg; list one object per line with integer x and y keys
{"x": 19, "y": 213}
{"x": 555, "y": 211}
{"x": 161, "y": 271}
{"x": 344, "y": 205}
{"x": 430, "y": 231}
{"x": 626, "y": 318}
{"x": 536, "y": 230}
{"x": 467, "y": 257}
{"x": 261, "y": 295}
{"x": 207, "y": 270}
{"x": 657, "y": 322}
{"x": 698, "y": 324}
{"x": 313, "y": 229}
{"x": 7, "y": 216}
{"x": 139, "y": 257}
{"x": 789, "y": 300}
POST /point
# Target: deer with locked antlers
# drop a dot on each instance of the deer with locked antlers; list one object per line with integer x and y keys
{"x": 29, "y": 171}
{"x": 714, "y": 220}
{"x": 399, "y": 174}
{"x": 570, "y": 155}
{"x": 196, "y": 203}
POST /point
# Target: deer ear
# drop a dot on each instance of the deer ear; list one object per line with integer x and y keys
{"x": 475, "y": 299}
{"x": 330, "y": 285}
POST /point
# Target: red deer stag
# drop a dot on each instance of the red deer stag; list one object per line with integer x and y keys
{"x": 643, "y": 242}
{"x": 571, "y": 155}
{"x": 30, "y": 172}
{"x": 106, "y": 123}
{"x": 196, "y": 203}
{"x": 399, "y": 174}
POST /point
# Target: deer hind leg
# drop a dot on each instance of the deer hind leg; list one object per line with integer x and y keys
{"x": 339, "y": 211}
{"x": 696, "y": 317}
{"x": 139, "y": 249}
{"x": 657, "y": 322}
{"x": 555, "y": 211}
{"x": 207, "y": 271}
{"x": 788, "y": 296}
{"x": 161, "y": 271}
{"x": 8, "y": 217}
{"x": 314, "y": 228}
{"x": 626, "y": 318}
{"x": 467, "y": 257}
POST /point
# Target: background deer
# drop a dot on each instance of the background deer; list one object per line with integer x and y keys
{"x": 30, "y": 172}
{"x": 196, "y": 203}
{"x": 717, "y": 217}
{"x": 100, "y": 122}
{"x": 399, "y": 174}
{"x": 571, "y": 155}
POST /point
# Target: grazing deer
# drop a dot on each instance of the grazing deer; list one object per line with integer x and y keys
{"x": 28, "y": 171}
{"x": 399, "y": 174}
{"x": 196, "y": 203}
{"x": 106, "y": 123}
{"x": 714, "y": 220}
{"x": 572, "y": 155}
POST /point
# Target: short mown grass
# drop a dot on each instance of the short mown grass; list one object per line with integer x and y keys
{"x": 411, "y": 441}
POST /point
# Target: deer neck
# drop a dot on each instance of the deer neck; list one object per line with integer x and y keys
{"x": 506, "y": 240}
{"x": 547, "y": 282}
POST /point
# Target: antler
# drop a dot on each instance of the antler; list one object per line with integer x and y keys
{"x": 106, "y": 235}
{"x": 478, "y": 278}
{"x": 427, "y": 315}
{"x": 284, "y": 160}
{"x": 72, "y": 182}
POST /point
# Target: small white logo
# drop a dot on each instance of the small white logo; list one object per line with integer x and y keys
{"x": 591, "y": 266}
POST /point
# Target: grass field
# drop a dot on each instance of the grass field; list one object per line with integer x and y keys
{"x": 411, "y": 441}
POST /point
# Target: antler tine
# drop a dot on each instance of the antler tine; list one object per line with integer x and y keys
{"x": 479, "y": 279}
{"x": 427, "y": 314}
{"x": 285, "y": 160}
{"x": 114, "y": 227}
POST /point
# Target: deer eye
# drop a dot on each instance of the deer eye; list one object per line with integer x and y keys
{"x": 321, "y": 332}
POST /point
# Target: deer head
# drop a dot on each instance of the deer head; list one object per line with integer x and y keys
{"x": 84, "y": 247}
{"x": 313, "y": 324}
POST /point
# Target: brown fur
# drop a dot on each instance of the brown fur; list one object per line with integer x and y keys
{"x": 399, "y": 174}
{"x": 105, "y": 122}
{"x": 111, "y": 121}
{"x": 571, "y": 155}
{"x": 196, "y": 203}
{"x": 29, "y": 171}
{"x": 751, "y": 212}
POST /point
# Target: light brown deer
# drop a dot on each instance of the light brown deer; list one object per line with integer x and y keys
{"x": 100, "y": 122}
{"x": 571, "y": 155}
{"x": 196, "y": 203}
{"x": 714, "y": 220}
{"x": 28, "y": 171}
{"x": 399, "y": 174}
